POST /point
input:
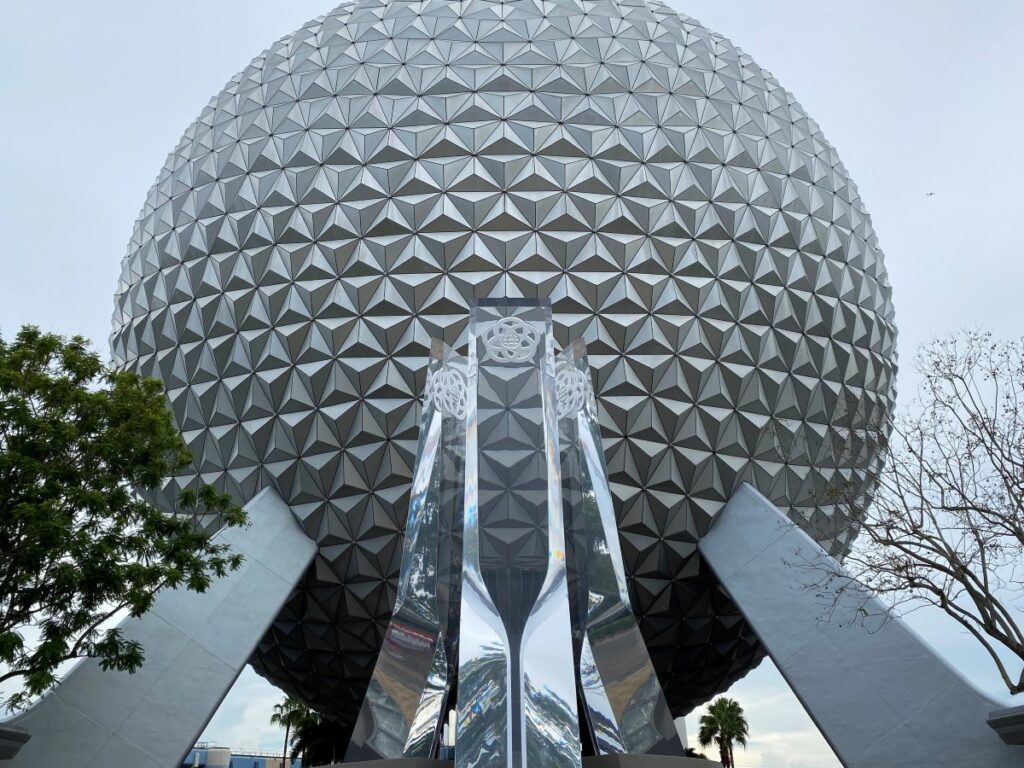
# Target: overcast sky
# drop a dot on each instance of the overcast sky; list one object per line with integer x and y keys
{"x": 918, "y": 96}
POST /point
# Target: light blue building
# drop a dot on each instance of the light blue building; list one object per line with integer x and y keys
{"x": 205, "y": 755}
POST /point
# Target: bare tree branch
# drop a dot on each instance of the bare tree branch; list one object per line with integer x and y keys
{"x": 944, "y": 525}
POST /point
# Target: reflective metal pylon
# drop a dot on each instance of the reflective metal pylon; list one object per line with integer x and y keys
{"x": 403, "y": 711}
{"x": 517, "y": 689}
{"x": 625, "y": 708}
{"x": 509, "y": 464}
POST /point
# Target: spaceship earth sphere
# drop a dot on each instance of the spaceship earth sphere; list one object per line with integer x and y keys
{"x": 348, "y": 194}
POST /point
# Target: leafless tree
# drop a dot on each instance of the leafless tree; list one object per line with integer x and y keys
{"x": 945, "y": 526}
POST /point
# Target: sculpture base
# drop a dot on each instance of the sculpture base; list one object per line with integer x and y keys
{"x": 601, "y": 761}
{"x": 647, "y": 761}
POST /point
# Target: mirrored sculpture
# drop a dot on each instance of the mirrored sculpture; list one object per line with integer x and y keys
{"x": 549, "y": 654}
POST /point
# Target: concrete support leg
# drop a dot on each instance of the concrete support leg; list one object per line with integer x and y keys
{"x": 879, "y": 693}
{"x": 195, "y": 647}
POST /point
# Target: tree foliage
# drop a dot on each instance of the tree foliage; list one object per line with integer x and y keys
{"x": 946, "y": 525}
{"x": 77, "y": 542}
{"x": 724, "y": 724}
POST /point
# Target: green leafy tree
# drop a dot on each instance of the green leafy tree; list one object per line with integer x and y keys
{"x": 723, "y": 724}
{"x": 77, "y": 542}
{"x": 291, "y": 713}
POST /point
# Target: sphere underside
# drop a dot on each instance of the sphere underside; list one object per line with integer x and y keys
{"x": 348, "y": 194}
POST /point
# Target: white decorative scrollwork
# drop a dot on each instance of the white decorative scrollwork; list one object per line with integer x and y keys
{"x": 572, "y": 390}
{"x": 446, "y": 389}
{"x": 510, "y": 340}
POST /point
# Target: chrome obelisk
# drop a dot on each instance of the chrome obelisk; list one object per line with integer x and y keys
{"x": 517, "y": 689}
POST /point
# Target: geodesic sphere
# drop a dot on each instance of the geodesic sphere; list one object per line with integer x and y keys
{"x": 344, "y": 198}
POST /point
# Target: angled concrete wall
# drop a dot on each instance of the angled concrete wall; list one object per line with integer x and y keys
{"x": 195, "y": 646}
{"x": 878, "y": 692}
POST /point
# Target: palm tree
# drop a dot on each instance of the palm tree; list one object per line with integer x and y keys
{"x": 723, "y": 724}
{"x": 291, "y": 713}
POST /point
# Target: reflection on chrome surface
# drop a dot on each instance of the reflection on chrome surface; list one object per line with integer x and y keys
{"x": 483, "y": 721}
{"x": 401, "y": 714}
{"x": 626, "y": 707}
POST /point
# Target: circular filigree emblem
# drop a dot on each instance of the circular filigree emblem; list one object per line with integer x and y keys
{"x": 510, "y": 340}
{"x": 571, "y": 390}
{"x": 446, "y": 389}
